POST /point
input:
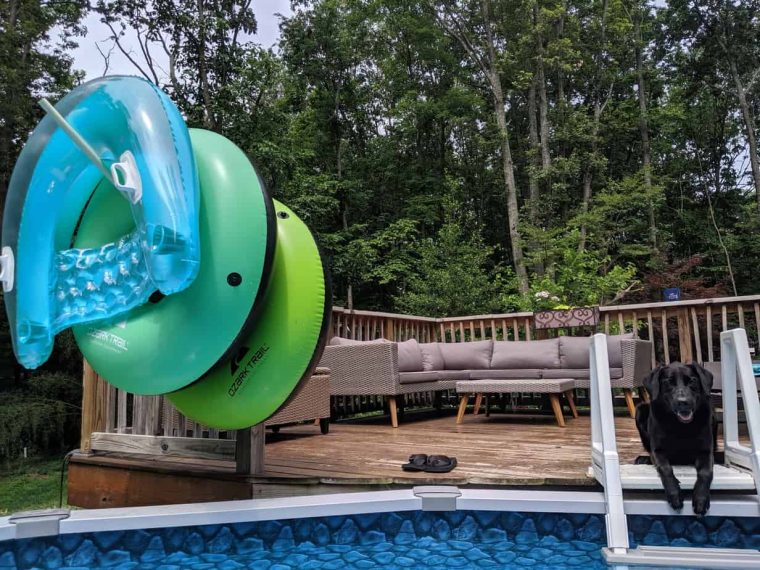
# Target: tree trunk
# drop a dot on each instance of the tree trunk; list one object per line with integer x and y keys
{"x": 543, "y": 103}
{"x": 208, "y": 116}
{"x": 534, "y": 150}
{"x": 513, "y": 212}
{"x": 508, "y": 168}
{"x": 588, "y": 172}
{"x": 588, "y": 178}
{"x": 749, "y": 126}
{"x": 561, "y": 74}
{"x": 646, "y": 149}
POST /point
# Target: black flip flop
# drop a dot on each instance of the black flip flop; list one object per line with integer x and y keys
{"x": 417, "y": 462}
{"x": 440, "y": 464}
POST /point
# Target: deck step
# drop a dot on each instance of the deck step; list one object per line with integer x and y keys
{"x": 683, "y": 557}
{"x": 725, "y": 478}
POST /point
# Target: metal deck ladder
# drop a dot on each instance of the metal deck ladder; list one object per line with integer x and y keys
{"x": 741, "y": 470}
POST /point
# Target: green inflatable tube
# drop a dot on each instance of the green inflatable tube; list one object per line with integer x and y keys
{"x": 284, "y": 345}
{"x": 171, "y": 342}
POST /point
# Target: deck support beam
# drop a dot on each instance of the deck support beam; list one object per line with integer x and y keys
{"x": 249, "y": 450}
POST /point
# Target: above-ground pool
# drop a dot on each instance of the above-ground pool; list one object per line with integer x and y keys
{"x": 406, "y": 538}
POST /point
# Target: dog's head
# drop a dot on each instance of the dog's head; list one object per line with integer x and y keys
{"x": 680, "y": 388}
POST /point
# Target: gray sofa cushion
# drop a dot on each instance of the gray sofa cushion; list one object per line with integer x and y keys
{"x": 516, "y": 374}
{"x": 509, "y": 355}
{"x": 573, "y": 350}
{"x": 417, "y": 377}
{"x": 577, "y": 373}
{"x": 467, "y": 355}
{"x": 432, "y": 358}
{"x": 409, "y": 356}
{"x": 340, "y": 341}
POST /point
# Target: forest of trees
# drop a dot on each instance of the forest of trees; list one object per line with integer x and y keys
{"x": 457, "y": 157}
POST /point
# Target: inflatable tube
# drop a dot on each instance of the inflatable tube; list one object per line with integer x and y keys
{"x": 144, "y": 148}
{"x": 165, "y": 345}
{"x": 286, "y": 341}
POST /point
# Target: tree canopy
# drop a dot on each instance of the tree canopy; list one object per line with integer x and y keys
{"x": 461, "y": 156}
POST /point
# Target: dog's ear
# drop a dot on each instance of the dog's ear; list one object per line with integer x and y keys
{"x": 652, "y": 382}
{"x": 705, "y": 377}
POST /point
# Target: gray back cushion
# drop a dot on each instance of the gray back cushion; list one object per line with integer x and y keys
{"x": 467, "y": 355}
{"x": 573, "y": 350}
{"x": 432, "y": 358}
{"x": 409, "y": 356}
{"x": 525, "y": 354}
{"x": 340, "y": 341}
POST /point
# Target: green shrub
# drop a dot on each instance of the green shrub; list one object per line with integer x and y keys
{"x": 42, "y": 414}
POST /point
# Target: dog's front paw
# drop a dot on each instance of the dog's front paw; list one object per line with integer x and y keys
{"x": 675, "y": 500}
{"x": 700, "y": 502}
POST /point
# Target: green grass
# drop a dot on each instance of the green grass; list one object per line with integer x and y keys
{"x": 31, "y": 484}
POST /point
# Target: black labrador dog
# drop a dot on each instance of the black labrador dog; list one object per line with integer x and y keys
{"x": 678, "y": 428}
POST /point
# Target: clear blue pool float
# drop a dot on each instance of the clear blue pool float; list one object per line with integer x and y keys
{"x": 141, "y": 145}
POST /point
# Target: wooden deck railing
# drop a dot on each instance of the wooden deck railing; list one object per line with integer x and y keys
{"x": 682, "y": 330}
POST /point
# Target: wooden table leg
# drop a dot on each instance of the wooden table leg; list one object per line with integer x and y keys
{"x": 644, "y": 395}
{"x": 571, "y": 401}
{"x": 557, "y": 407}
{"x": 394, "y": 413}
{"x": 629, "y": 401}
{"x": 478, "y": 401}
{"x": 462, "y": 407}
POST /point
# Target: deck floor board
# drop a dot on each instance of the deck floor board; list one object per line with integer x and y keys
{"x": 503, "y": 449}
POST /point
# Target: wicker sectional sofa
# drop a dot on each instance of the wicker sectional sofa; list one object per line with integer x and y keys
{"x": 390, "y": 369}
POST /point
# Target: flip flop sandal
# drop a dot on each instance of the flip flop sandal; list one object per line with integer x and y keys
{"x": 440, "y": 464}
{"x": 417, "y": 462}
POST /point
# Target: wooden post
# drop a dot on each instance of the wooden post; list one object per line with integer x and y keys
{"x": 390, "y": 329}
{"x": 89, "y": 386}
{"x": 697, "y": 339}
{"x": 684, "y": 336}
{"x": 665, "y": 340}
{"x": 94, "y": 396}
{"x": 249, "y": 450}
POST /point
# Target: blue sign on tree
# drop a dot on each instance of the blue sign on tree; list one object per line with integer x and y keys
{"x": 672, "y": 294}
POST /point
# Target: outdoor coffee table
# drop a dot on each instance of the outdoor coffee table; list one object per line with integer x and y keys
{"x": 548, "y": 386}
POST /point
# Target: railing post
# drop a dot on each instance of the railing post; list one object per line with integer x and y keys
{"x": 249, "y": 450}
{"x": 94, "y": 396}
{"x": 684, "y": 336}
{"x": 390, "y": 329}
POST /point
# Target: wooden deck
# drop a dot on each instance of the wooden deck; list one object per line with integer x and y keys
{"x": 501, "y": 450}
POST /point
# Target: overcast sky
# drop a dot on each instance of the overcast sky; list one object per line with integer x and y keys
{"x": 87, "y": 57}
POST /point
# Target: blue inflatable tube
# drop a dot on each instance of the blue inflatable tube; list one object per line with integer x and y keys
{"x": 145, "y": 152}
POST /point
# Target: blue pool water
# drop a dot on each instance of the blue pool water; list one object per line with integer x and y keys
{"x": 460, "y": 539}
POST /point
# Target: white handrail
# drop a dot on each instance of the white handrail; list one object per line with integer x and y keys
{"x": 736, "y": 362}
{"x": 604, "y": 447}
